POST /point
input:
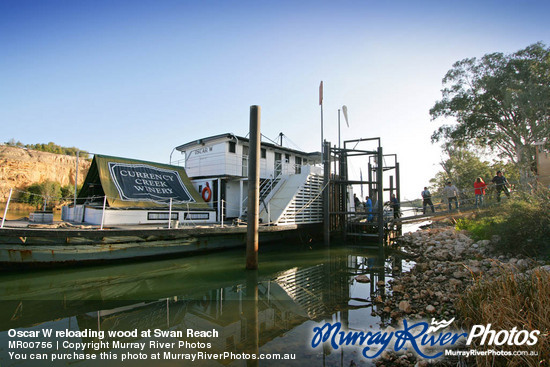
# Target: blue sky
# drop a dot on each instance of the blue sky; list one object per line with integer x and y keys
{"x": 136, "y": 78}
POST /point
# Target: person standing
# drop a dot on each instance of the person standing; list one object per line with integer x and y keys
{"x": 356, "y": 202}
{"x": 368, "y": 208}
{"x": 501, "y": 184}
{"x": 451, "y": 193}
{"x": 479, "y": 186}
{"x": 427, "y": 200}
{"x": 395, "y": 206}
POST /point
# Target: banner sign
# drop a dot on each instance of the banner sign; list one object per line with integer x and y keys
{"x": 142, "y": 182}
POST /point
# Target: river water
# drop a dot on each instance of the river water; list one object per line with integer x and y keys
{"x": 273, "y": 310}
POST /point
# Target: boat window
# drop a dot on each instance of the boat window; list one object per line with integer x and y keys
{"x": 298, "y": 161}
{"x": 264, "y": 153}
{"x": 232, "y": 147}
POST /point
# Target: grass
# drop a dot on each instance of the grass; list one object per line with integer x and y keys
{"x": 522, "y": 224}
{"x": 508, "y": 301}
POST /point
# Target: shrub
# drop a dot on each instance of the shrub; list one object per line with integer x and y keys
{"x": 67, "y": 192}
{"x": 523, "y": 224}
{"x": 35, "y": 193}
{"x": 508, "y": 301}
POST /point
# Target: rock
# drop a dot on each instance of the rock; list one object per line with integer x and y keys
{"x": 440, "y": 278}
{"x": 405, "y": 306}
{"x": 398, "y": 288}
{"x": 459, "y": 275}
{"x": 395, "y": 315}
{"x": 362, "y": 278}
{"x": 474, "y": 270}
{"x": 455, "y": 282}
{"x": 430, "y": 309}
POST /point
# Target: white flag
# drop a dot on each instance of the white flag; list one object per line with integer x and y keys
{"x": 345, "y": 111}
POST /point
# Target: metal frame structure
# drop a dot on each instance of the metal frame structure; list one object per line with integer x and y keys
{"x": 337, "y": 215}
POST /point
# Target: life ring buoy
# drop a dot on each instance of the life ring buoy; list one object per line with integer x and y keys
{"x": 207, "y": 193}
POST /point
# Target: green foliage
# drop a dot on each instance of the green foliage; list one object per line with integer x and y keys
{"x": 35, "y": 193}
{"x": 49, "y": 148}
{"x": 523, "y": 224}
{"x": 482, "y": 228}
{"x": 501, "y": 102}
{"x": 67, "y": 191}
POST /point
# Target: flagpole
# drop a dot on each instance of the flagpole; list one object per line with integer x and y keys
{"x": 338, "y": 128}
{"x": 321, "y": 104}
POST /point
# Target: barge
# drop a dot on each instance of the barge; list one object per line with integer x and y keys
{"x": 187, "y": 202}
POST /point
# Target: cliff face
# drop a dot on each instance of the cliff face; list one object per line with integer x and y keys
{"x": 20, "y": 168}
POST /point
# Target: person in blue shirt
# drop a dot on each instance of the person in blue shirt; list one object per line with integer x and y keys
{"x": 368, "y": 208}
{"x": 395, "y": 205}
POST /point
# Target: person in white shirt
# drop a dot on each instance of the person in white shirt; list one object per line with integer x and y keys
{"x": 451, "y": 193}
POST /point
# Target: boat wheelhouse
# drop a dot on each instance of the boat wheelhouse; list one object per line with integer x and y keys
{"x": 290, "y": 179}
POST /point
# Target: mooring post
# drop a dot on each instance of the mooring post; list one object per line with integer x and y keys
{"x": 250, "y": 311}
{"x": 380, "y": 193}
{"x": 253, "y": 189}
{"x": 326, "y": 189}
{"x": 6, "y": 209}
{"x": 397, "y": 183}
{"x": 370, "y": 181}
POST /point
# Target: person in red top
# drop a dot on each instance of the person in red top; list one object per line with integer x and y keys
{"x": 479, "y": 186}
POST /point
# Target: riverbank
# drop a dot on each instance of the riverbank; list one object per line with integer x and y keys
{"x": 449, "y": 267}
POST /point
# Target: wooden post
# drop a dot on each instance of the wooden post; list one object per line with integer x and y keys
{"x": 326, "y": 198}
{"x": 370, "y": 181}
{"x": 380, "y": 193}
{"x": 253, "y": 189}
{"x": 250, "y": 313}
{"x": 397, "y": 183}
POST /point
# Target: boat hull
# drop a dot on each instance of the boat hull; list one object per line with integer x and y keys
{"x": 43, "y": 248}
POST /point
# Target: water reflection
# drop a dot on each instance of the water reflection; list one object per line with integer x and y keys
{"x": 272, "y": 310}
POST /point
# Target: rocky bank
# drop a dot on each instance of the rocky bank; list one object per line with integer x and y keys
{"x": 20, "y": 168}
{"x": 447, "y": 262}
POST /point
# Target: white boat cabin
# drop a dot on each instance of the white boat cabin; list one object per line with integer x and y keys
{"x": 290, "y": 180}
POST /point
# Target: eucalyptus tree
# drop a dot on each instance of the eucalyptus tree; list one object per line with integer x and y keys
{"x": 500, "y": 102}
